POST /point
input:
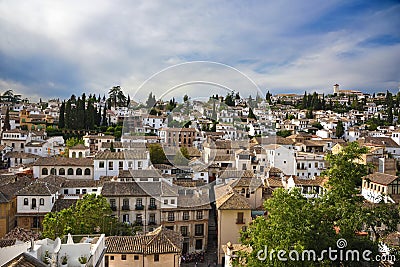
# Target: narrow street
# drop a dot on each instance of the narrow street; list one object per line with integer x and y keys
{"x": 210, "y": 257}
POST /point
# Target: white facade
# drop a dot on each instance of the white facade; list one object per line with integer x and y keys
{"x": 282, "y": 158}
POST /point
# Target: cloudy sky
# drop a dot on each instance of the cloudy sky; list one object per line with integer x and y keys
{"x": 56, "y": 48}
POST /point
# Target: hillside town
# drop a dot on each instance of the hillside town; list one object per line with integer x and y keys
{"x": 180, "y": 181}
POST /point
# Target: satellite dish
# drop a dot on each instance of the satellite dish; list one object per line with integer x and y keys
{"x": 57, "y": 245}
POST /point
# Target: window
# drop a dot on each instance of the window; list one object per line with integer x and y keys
{"x": 45, "y": 171}
{"x": 70, "y": 171}
{"x": 87, "y": 171}
{"x": 112, "y": 203}
{"x": 123, "y": 257}
{"x": 152, "y": 201}
{"x": 121, "y": 165}
{"x": 65, "y": 191}
{"x": 136, "y": 257}
{"x": 84, "y": 191}
{"x": 61, "y": 171}
{"x": 80, "y": 154}
{"x": 139, "y": 202}
{"x": 165, "y": 201}
{"x": 156, "y": 257}
{"x": 79, "y": 171}
{"x": 53, "y": 171}
{"x": 101, "y": 164}
{"x": 199, "y": 215}
{"x": 110, "y": 165}
{"x": 77, "y": 191}
{"x": 129, "y": 164}
{"x": 199, "y": 229}
{"x": 73, "y": 154}
{"x": 199, "y": 244}
{"x": 172, "y": 201}
{"x": 139, "y": 218}
{"x": 33, "y": 203}
{"x": 111, "y": 258}
{"x": 184, "y": 230}
{"x": 171, "y": 216}
{"x": 140, "y": 164}
{"x": 316, "y": 164}
{"x": 239, "y": 218}
{"x": 185, "y": 215}
{"x": 41, "y": 201}
{"x": 152, "y": 218}
{"x": 26, "y": 202}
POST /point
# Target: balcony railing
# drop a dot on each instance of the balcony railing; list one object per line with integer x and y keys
{"x": 125, "y": 207}
{"x": 152, "y": 207}
{"x": 139, "y": 223}
{"x": 139, "y": 207}
{"x": 152, "y": 223}
{"x": 240, "y": 221}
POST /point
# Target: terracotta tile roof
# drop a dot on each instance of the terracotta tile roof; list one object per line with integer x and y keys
{"x": 21, "y": 234}
{"x": 382, "y": 141}
{"x": 247, "y": 182}
{"x": 232, "y": 201}
{"x": 9, "y": 189}
{"x": 236, "y": 174}
{"x": 273, "y": 182}
{"x": 274, "y": 140}
{"x": 61, "y": 161}
{"x": 381, "y": 178}
{"x": 24, "y": 260}
{"x": 38, "y": 188}
{"x": 129, "y": 154}
{"x": 53, "y": 179}
{"x": 147, "y": 173}
{"x": 79, "y": 147}
{"x": 160, "y": 241}
{"x": 63, "y": 203}
{"x": 317, "y": 181}
{"x": 7, "y": 242}
{"x": 122, "y": 189}
{"x": 22, "y": 155}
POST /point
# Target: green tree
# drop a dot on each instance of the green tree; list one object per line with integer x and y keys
{"x": 294, "y": 222}
{"x": 339, "y": 129}
{"x": 61, "y": 118}
{"x": 7, "y": 125}
{"x": 181, "y": 158}
{"x": 157, "y": 155}
{"x": 151, "y": 100}
{"x": 73, "y": 141}
{"x": 89, "y": 214}
{"x": 284, "y": 133}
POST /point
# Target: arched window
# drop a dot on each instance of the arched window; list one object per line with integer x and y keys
{"x": 74, "y": 154}
{"x": 45, "y": 171}
{"x": 80, "y": 154}
{"x": 79, "y": 171}
{"x": 53, "y": 171}
{"x": 61, "y": 171}
{"x": 70, "y": 171}
{"x": 41, "y": 201}
{"x": 87, "y": 171}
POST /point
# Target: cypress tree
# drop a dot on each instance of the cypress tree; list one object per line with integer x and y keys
{"x": 61, "y": 119}
{"x": 7, "y": 126}
{"x": 68, "y": 118}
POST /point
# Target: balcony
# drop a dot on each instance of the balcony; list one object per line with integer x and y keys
{"x": 139, "y": 207}
{"x": 125, "y": 207}
{"x": 152, "y": 207}
{"x": 152, "y": 223}
{"x": 240, "y": 221}
{"x": 138, "y": 223}
{"x": 199, "y": 234}
{"x": 113, "y": 208}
